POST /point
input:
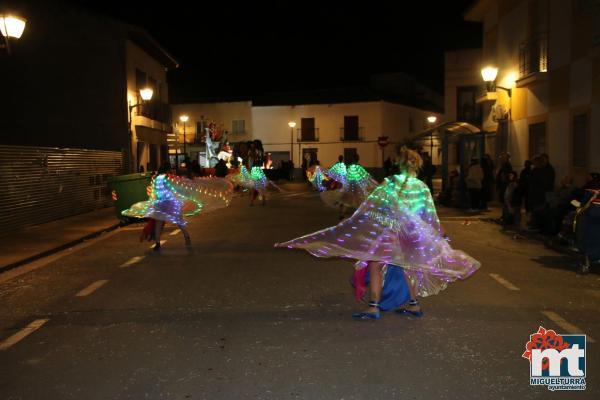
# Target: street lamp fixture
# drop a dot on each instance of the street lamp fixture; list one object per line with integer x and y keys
{"x": 292, "y": 125}
{"x": 431, "y": 119}
{"x": 489, "y": 75}
{"x": 184, "y": 118}
{"x": 11, "y": 26}
{"x": 146, "y": 95}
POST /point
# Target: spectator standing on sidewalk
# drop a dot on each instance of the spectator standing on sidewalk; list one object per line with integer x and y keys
{"x": 474, "y": 182}
{"x": 511, "y": 207}
{"x": 502, "y": 176}
{"x": 427, "y": 172}
{"x": 524, "y": 182}
{"x": 487, "y": 164}
{"x": 548, "y": 177}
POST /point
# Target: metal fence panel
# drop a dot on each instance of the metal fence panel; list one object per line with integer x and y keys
{"x": 41, "y": 184}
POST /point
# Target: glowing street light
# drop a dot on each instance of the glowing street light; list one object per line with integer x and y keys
{"x": 146, "y": 95}
{"x": 184, "y": 118}
{"x": 489, "y": 75}
{"x": 431, "y": 119}
{"x": 292, "y": 125}
{"x": 11, "y": 26}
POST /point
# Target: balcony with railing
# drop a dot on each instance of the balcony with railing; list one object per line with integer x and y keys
{"x": 352, "y": 134}
{"x": 307, "y": 135}
{"x": 156, "y": 110}
{"x": 533, "y": 59}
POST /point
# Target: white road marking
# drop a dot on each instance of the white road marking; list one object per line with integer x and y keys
{"x": 504, "y": 282}
{"x": 42, "y": 262}
{"x": 567, "y": 326}
{"x": 132, "y": 261}
{"x": 23, "y": 333}
{"x": 294, "y": 194}
{"x": 92, "y": 288}
{"x": 161, "y": 243}
{"x": 175, "y": 232}
{"x": 133, "y": 228}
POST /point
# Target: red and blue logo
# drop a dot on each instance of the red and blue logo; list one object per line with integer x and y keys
{"x": 556, "y": 360}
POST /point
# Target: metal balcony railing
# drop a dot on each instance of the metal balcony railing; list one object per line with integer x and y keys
{"x": 156, "y": 110}
{"x": 355, "y": 134}
{"x": 307, "y": 135}
{"x": 533, "y": 55}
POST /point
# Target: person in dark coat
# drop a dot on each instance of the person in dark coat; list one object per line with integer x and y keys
{"x": 524, "y": 182}
{"x": 488, "y": 181}
{"x": 502, "y": 176}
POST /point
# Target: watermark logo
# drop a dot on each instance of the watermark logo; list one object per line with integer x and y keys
{"x": 556, "y": 361}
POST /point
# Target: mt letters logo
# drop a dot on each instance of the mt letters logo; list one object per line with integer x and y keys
{"x": 556, "y": 360}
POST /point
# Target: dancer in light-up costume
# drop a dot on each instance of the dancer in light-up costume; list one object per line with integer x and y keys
{"x": 317, "y": 178}
{"x": 338, "y": 171}
{"x": 256, "y": 181}
{"x": 356, "y": 185}
{"x": 239, "y": 176}
{"x": 397, "y": 226}
{"x": 172, "y": 198}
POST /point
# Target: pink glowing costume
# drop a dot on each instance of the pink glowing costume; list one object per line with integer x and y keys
{"x": 396, "y": 225}
{"x": 356, "y": 186}
{"x": 173, "y": 197}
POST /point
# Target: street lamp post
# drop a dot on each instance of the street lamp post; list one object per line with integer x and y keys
{"x": 146, "y": 95}
{"x": 184, "y": 118}
{"x": 431, "y": 119}
{"x": 11, "y": 26}
{"x": 489, "y": 74}
{"x": 292, "y": 124}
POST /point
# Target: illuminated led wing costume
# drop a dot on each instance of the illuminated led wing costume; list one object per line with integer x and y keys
{"x": 255, "y": 180}
{"x": 317, "y": 178}
{"x": 241, "y": 177}
{"x": 357, "y": 185}
{"x": 396, "y": 225}
{"x": 172, "y": 198}
{"x": 337, "y": 172}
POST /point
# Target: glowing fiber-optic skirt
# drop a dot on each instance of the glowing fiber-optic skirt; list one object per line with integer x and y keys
{"x": 397, "y": 224}
{"x": 172, "y": 198}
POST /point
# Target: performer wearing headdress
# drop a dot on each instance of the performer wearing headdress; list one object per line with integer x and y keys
{"x": 396, "y": 226}
{"x": 357, "y": 184}
{"x": 259, "y": 183}
{"x": 172, "y": 198}
{"x": 239, "y": 175}
{"x": 316, "y": 177}
{"x": 337, "y": 172}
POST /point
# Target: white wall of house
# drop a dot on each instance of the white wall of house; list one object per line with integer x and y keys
{"x": 571, "y": 86}
{"x": 270, "y": 125}
{"x": 136, "y": 58}
{"x": 220, "y": 113}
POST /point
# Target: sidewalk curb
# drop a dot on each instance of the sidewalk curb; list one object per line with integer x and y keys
{"x": 64, "y": 246}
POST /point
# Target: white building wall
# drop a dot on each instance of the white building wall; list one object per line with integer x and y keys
{"x": 270, "y": 125}
{"x": 221, "y": 113}
{"x": 136, "y": 58}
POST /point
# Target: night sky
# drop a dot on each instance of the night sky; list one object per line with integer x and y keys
{"x": 241, "y": 49}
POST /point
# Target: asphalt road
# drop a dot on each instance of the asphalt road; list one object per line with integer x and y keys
{"x": 234, "y": 318}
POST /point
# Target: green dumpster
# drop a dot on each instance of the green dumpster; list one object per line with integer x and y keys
{"x": 127, "y": 190}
